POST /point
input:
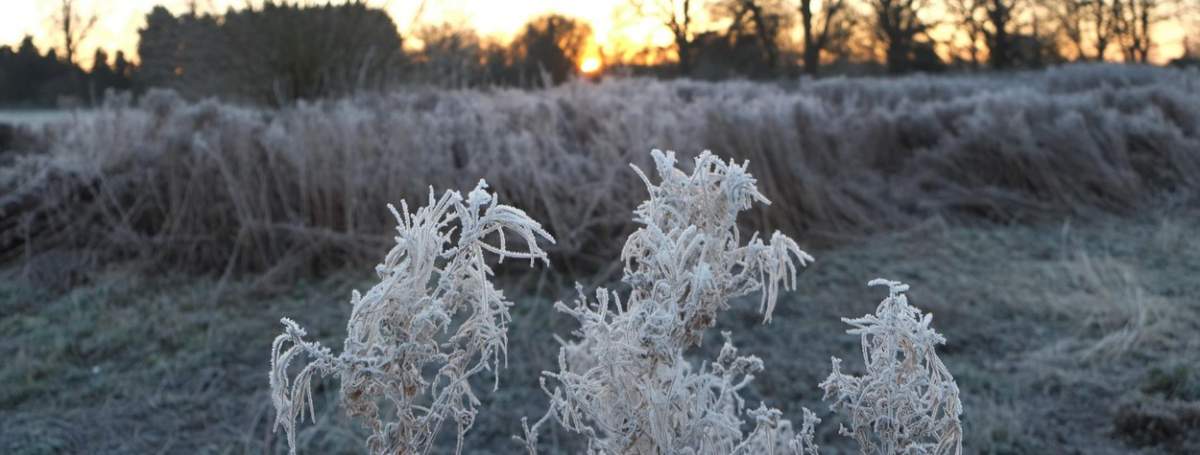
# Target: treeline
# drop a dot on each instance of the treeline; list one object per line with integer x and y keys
{"x": 273, "y": 54}
{"x": 718, "y": 39}
{"x": 283, "y": 52}
{"x": 280, "y": 52}
{"x": 899, "y": 36}
{"x": 30, "y": 78}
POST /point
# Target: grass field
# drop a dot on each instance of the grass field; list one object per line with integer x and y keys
{"x": 211, "y": 186}
{"x": 1064, "y": 337}
{"x": 1046, "y": 219}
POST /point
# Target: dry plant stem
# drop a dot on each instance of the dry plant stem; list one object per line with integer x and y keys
{"x": 624, "y": 383}
{"x": 907, "y": 402}
{"x": 434, "y": 310}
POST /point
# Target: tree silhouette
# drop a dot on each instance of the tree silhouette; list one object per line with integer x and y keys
{"x": 273, "y": 54}
{"x": 898, "y": 29}
{"x": 826, "y": 25}
{"x": 550, "y": 45}
{"x": 678, "y": 17}
{"x": 74, "y": 27}
{"x": 30, "y": 78}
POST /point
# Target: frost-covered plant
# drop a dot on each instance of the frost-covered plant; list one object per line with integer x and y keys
{"x": 435, "y": 320}
{"x": 907, "y": 402}
{"x": 624, "y": 383}
{"x": 415, "y": 339}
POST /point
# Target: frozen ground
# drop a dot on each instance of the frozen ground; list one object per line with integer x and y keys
{"x": 1066, "y": 337}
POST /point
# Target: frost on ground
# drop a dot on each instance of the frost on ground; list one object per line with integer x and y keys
{"x": 147, "y": 250}
{"x": 129, "y": 363}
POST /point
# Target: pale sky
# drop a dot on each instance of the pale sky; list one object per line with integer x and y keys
{"x": 119, "y": 20}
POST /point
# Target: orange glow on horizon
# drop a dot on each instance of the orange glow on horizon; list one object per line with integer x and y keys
{"x": 620, "y": 35}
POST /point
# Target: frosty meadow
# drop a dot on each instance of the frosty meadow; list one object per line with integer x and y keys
{"x": 299, "y": 190}
{"x": 150, "y": 246}
{"x": 435, "y": 319}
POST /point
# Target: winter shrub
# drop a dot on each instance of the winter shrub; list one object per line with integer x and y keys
{"x": 624, "y": 382}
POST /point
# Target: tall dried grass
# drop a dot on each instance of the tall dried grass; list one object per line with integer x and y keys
{"x": 221, "y": 188}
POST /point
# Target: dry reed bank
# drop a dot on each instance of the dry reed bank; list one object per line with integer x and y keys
{"x": 206, "y": 186}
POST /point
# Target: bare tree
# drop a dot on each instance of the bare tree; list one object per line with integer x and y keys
{"x": 1084, "y": 22}
{"x": 993, "y": 22}
{"x": 760, "y": 23}
{"x": 1069, "y": 15}
{"x": 966, "y": 13}
{"x": 897, "y": 25}
{"x": 826, "y": 24}
{"x": 1104, "y": 24}
{"x": 451, "y": 56}
{"x": 73, "y": 25}
{"x": 997, "y": 34}
{"x": 767, "y": 25}
{"x": 1134, "y": 22}
{"x": 677, "y": 16}
{"x": 549, "y": 49}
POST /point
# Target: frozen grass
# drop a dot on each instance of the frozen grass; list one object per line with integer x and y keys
{"x": 1061, "y": 336}
{"x": 417, "y": 338}
{"x": 131, "y": 363}
{"x": 624, "y": 380}
{"x": 222, "y": 189}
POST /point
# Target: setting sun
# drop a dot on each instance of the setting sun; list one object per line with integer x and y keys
{"x": 590, "y": 65}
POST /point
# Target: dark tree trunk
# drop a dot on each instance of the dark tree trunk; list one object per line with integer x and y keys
{"x": 812, "y": 51}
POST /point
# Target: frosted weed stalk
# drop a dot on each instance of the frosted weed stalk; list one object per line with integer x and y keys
{"x": 414, "y": 340}
{"x": 625, "y": 384}
{"x": 907, "y": 402}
